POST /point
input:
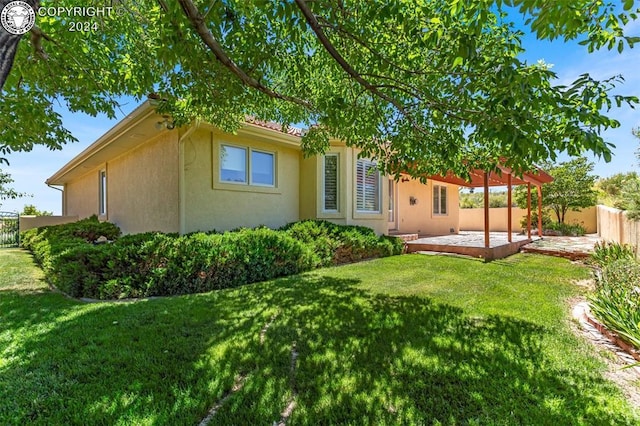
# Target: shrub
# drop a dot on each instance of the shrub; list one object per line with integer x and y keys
{"x": 546, "y": 220}
{"x": 154, "y": 264}
{"x": 49, "y": 242}
{"x": 616, "y": 301}
{"x": 568, "y": 229}
{"x": 337, "y": 244}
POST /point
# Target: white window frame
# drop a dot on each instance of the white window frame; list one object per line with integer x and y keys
{"x": 324, "y": 183}
{"x": 372, "y": 164}
{"x": 246, "y": 165}
{"x": 102, "y": 192}
{"x": 248, "y": 162}
{"x": 250, "y": 168}
{"x": 437, "y": 200}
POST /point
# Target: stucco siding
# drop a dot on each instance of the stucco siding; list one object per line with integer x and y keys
{"x": 418, "y": 217}
{"x": 310, "y": 189}
{"x": 213, "y": 204}
{"x": 81, "y": 196}
{"x": 143, "y": 187}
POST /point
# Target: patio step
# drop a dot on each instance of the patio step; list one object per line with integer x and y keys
{"x": 404, "y": 237}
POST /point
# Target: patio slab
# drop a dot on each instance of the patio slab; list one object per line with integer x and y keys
{"x": 470, "y": 243}
{"x": 573, "y": 248}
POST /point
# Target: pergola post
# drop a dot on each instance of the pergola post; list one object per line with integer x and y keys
{"x": 539, "y": 211}
{"x": 509, "y": 227}
{"x": 487, "y": 243}
{"x": 529, "y": 210}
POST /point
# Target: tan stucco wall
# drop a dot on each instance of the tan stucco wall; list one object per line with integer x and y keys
{"x": 419, "y": 218}
{"x": 309, "y": 187}
{"x": 81, "y": 196}
{"x": 30, "y": 222}
{"x": 473, "y": 219}
{"x": 211, "y": 204}
{"x": 613, "y": 225}
{"x": 143, "y": 187}
{"x": 586, "y": 217}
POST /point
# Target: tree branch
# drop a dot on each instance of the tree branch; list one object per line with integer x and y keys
{"x": 198, "y": 23}
{"x": 326, "y": 43}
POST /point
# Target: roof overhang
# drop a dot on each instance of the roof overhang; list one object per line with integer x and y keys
{"x": 140, "y": 126}
{"x": 128, "y": 133}
{"x": 500, "y": 178}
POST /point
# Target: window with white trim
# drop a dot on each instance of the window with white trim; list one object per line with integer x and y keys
{"x": 367, "y": 187}
{"x": 439, "y": 200}
{"x": 330, "y": 168}
{"x": 262, "y": 166}
{"x": 250, "y": 166}
{"x": 102, "y": 193}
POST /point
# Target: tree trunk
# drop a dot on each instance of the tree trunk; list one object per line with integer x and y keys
{"x": 9, "y": 44}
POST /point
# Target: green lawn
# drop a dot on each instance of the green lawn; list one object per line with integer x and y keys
{"x": 402, "y": 340}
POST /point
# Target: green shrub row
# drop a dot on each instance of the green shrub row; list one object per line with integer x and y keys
{"x": 616, "y": 300}
{"x": 568, "y": 229}
{"x": 156, "y": 264}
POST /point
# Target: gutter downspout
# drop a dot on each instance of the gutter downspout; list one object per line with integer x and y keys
{"x": 181, "y": 177}
{"x": 63, "y": 196}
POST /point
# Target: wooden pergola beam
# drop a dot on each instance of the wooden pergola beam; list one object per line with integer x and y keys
{"x": 539, "y": 211}
{"x": 487, "y": 243}
{"x": 529, "y": 211}
{"x": 509, "y": 213}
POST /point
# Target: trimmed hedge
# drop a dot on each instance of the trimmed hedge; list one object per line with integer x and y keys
{"x": 338, "y": 244}
{"x": 157, "y": 264}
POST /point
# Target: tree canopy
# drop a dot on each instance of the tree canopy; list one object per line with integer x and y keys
{"x": 571, "y": 189}
{"x": 424, "y": 86}
{"x": 6, "y": 191}
{"x": 32, "y": 210}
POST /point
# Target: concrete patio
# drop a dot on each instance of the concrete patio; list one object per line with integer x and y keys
{"x": 471, "y": 243}
{"x": 573, "y": 248}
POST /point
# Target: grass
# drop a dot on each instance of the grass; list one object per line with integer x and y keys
{"x": 401, "y": 340}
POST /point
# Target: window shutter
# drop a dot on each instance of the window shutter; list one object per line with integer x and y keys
{"x": 331, "y": 182}
{"x": 367, "y": 187}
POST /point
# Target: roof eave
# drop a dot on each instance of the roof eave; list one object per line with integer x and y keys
{"x": 140, "y": 113}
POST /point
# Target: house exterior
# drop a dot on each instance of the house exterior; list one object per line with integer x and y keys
{"x": 143, "y": 176}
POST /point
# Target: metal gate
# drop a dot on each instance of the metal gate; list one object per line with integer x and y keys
{"x": 9, "y": 229}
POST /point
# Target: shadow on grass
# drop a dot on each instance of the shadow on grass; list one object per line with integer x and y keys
{"x": 361, "y": 358}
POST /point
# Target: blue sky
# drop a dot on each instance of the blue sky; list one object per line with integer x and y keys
{"x": 29, "y": 170}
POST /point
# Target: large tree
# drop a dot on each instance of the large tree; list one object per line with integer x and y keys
{"x": 572, "y": 188}
{"x": 422, "y": 85}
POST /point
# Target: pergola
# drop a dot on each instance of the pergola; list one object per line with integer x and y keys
{"x": 506, "y": 177}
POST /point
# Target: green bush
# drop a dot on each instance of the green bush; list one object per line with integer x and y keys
{"x": 546, "y": 220}
{"x": 337, "y": 244}
{"x": 568, "y": 229}
{"x": 616, "y": 301}
{"x": 155, "y": 264}
{"x": 549, "y": 227}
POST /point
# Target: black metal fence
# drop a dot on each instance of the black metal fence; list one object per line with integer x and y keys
{"x": 9, "y": 229}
